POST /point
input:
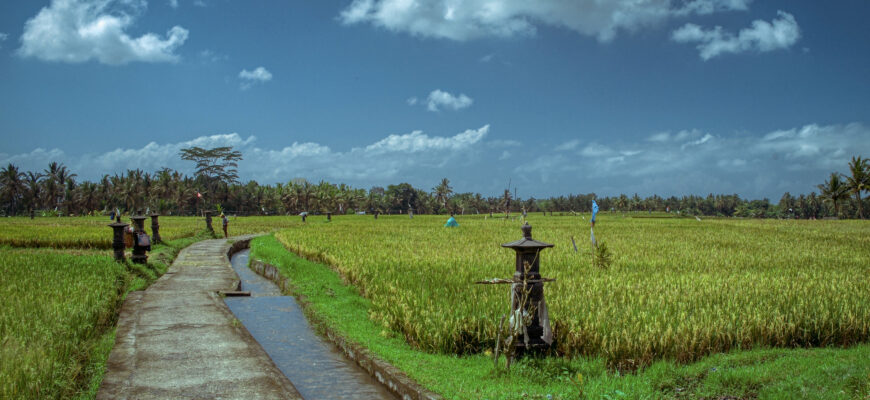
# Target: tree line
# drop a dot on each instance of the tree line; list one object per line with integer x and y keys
{"x": 215, "y": 182}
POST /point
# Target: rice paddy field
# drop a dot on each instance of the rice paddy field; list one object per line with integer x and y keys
{"x": 52, "y": 304}
{"x": 678, "y": 288}
{"x": 60, "y": 293}
{"x": 93, "y": 233}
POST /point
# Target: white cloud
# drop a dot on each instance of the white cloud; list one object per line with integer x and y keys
{"x": 411, "y": 101}
{"x": 698, "y": 142}
{"x": 470, "y": 19}
{"x": 77, "y": 31}
{"x": 417, "y": 141}
{"x": 755, "y": 165}
{"x": 503, "y": 143}
{"x": 3, "y": 37}
{"x": 659, "y": 137}
{"x": 762, "y": 36}
{"x": 173, "y": 3}
{"x": 487, "y": 58}
{"x": 258, "y": 75}
{"x": 692, "y": 161}
{"x": 438, "y": 100}
{"x": 569, "y": 145}
{"x": 596, "y": 150}
{"x": 381, "y": 162}
{"x": 211, "y": 56}
{"x": 664, "y": 137}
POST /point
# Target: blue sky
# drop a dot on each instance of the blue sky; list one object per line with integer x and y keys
{"x": 656, "y": 96}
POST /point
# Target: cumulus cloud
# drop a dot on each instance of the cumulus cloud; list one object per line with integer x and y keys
{"x": 211, "y": 56}
{"x": 439, "y": 100}
{"x": 664, "y": 137}
{"x": 470, "y": 19}
{"x": 77, "y": 31}
{"x": 417, "y": 141}
{"x": 763, "y": 164}
{"x": 693, "y": 161}
{"x": 500, "y": 143}
{"x": 569, "y": 145}
{"x": 762, "y": 36}
{"x": 379, "y": 162}
{"x": 250, "y": 78}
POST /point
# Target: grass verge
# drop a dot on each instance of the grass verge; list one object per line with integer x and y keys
{"x": 59, "y": 311}
{"x": 820, "y": 373}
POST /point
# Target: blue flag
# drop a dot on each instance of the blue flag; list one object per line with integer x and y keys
{"x": 594, "y": 210}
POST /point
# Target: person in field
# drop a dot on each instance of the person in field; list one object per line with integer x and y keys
{"x": 451, "y": 223}
{"x": 225, "y": 221}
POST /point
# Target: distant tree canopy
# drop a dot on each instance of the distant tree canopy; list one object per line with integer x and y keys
{"x": 214, "y": 167}
{"x": 217, "y": 164}
{"x": 55, "y": 191}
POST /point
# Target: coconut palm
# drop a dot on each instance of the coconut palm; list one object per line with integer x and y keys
{"x": 834, "y": 190}
{"x": 12, "y": 187}
{"x": 442, "y": 192}
{"x": 33, "y": 181}
{"x": 859, "y": 181}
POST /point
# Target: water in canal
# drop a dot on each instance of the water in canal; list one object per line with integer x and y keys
{"x": 315, "y": 366}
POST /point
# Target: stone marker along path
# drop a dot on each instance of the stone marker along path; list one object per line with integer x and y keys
{"x": 178, "y": 340}
{"x": 316, "y": 367}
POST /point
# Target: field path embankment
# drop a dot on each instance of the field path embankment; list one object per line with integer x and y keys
{"x": 179, "y": 340}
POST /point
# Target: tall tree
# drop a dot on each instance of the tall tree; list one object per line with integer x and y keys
{"x": 55, "y": 180}
{"x": 214, "y": 166}
{"x": 442, "y": 192}
{"x": 34, "y": 184}
{"x": 11, "y": 187}
{"x": 859, "y": 181}
{"x": 834, "y": 191}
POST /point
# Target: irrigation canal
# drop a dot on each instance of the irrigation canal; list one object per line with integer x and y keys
{"x": 315, "y": 366}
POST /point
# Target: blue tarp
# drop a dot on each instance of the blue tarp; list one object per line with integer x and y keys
{"x": 451, "y": 222}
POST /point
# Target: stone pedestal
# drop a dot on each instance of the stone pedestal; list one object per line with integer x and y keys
{"x": 155, "y": 229}
{"x": 139, "y": 252}
{"x": 208, "y": 221}
{"x": 118, "y": 240}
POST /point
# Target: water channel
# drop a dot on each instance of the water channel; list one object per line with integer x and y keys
{"x": 315, "y": 366}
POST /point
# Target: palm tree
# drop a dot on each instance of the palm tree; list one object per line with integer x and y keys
{"x": 859, "y": 181}
{"x": 11, "y": 186}
{"x": 442, "y": 192}
{"x": 56, "y": 177}
{"x": 834, "y": 191}
{"x": 34, "y": 182}
{"x": 86, "y": 197}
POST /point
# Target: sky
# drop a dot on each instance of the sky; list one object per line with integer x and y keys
{"x": 551, "y": 97}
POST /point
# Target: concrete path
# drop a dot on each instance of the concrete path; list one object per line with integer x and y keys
{"x": 178, "y": 340}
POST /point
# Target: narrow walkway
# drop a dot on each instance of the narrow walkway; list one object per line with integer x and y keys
{"x": 316, "y": 367}
{"x": 179, "y": 340}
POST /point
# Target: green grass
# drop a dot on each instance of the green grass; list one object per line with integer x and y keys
{"x": 59, "y": 309}
{"x": 821, "y": 373}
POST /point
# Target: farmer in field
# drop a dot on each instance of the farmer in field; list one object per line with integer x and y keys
{"x": 451, "y": 222}
{"x": 225, "y": 221}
